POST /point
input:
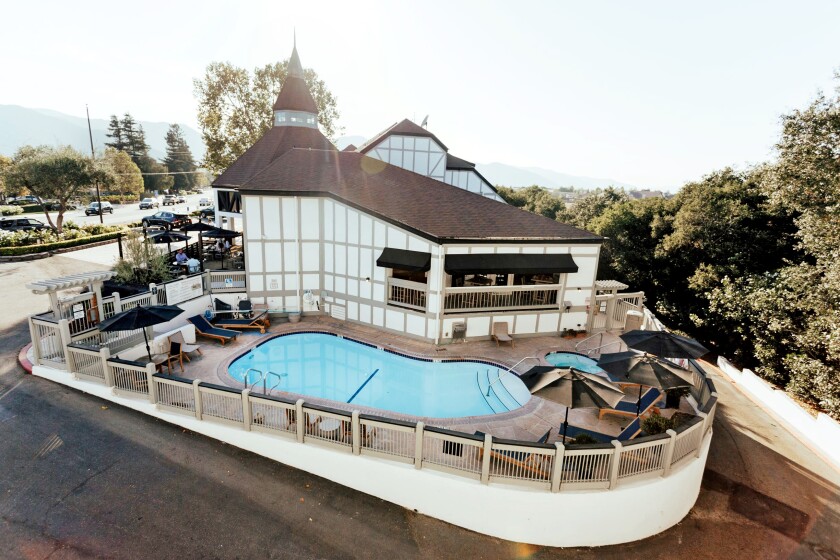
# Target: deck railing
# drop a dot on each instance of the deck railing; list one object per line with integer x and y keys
{"x": 550, "y": 467}
{"x": 404, "y": 293}
{"x": 227, "y": 281}
{"x": 500, "y": 298}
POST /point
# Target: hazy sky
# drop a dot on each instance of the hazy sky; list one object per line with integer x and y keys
{"x": 649, "y": 93}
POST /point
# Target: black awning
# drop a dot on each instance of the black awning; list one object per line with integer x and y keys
{"x": 509, "y": 263}
{"x": 415, "y": 261}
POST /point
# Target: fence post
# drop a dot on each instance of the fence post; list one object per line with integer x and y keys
{"x": 197, "y": 397}
{"x": 669, "y": 452}
{"x": 705, "y": 418}
{"x": 557, "y": 471}
{"x": 66, "y": 339}
{"x": 418, "y": 445}
{"x": 150, "y": 378}
{"x": 356, "y": 430}
{"x": 247, "y": 416}
{"x": 301, "y": 421}
{"x": 117, "y": 302}
{"x": 616, "y": 462}
{"x": 36, "y": 342}
{"x": 105, "y": 353}
{"x": 485, "y": 458}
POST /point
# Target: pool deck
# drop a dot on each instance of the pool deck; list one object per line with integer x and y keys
{"x": 528, "y": 423}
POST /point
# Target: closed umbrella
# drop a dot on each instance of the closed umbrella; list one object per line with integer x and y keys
{"x": 572, "y": 388}
{"x": 664, "y": 344}
{"x": 140, "y": 318}
{"x": 645, "y": 369}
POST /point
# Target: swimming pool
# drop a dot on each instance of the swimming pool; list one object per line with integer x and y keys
{"x": 329, "y": 367}
{"x": 571, "y": 359}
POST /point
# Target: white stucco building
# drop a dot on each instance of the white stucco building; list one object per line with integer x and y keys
{"x": 397, "y": 233}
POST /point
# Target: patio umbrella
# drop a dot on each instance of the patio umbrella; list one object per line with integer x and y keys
{"x": 664, "y": 344}
{"x": 168, "y": 237}
{"x": 140, "y": 318}
{"x": 221, "y": 233}
{"x": 200, "y": 227}
{"x": 645, "y": 369}
{"x": 571, "y": 388}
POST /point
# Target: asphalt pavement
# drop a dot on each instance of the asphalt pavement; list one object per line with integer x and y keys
{"x": 83, "y": 478}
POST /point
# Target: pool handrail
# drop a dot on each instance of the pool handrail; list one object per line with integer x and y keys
{"x": 510, "y": 370}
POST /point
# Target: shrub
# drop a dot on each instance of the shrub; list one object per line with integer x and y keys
{"x": 12, "y": 250}
{"x": 656, "y": 424}
{"x": 584, "y": 438}
{"x": 142, "y": 263}
{"x": 10, "y": 210}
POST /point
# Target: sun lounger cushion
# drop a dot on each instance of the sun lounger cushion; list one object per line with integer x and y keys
{"x": 204, "y": 327}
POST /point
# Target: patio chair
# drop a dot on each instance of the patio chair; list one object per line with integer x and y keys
{"x": 186, "y": 348}
{"x": 176, "y": 354}
{"x": 500, "y": 334}
{"x": 222, "y": 308}
{"x": 628, "y": 433}
{"x": 531, "y": 462}
{"x": 259, "y": 321}
{"x": 628, "y": 408}
{"x": 204, "y": 328}
{"x": 246, "y": 308}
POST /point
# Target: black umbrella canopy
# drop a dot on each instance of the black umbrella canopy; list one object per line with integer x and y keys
{"x": 664, "y": 344}
{"x": 574, "y": 389}
{"x": 645, "y": 369}
{"x": 140, "y": 318}
{"x": 198, "y": 226}
{"x": 220, "y": 233}
{"x": 169, "y": 237}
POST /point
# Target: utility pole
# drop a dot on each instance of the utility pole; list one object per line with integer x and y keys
{"x": 93, "y": 161}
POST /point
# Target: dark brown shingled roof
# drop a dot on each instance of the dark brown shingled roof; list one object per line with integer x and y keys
{"x": 276, "y": 142}
{"x": 402, "y": 128}
{"x": 430, "y": 208}
{"x": 453, "y": 162}
{"x": 295, "y": 96}
{"x": 350, "y": 148}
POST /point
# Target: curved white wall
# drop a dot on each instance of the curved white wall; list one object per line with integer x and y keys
{"x": 631, "y": 512}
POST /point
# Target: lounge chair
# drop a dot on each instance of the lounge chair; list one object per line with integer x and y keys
{"x": 204, "y": 328}
{"x": 246, "y": 308}
{"x": 186, "y": 347}
{"x": 531, "y": 462}
{"x": 259, "y": 321}
{"x": 628, "y": 433}
{"x": 628, "y": 408}
{"x": 500, "y": 334}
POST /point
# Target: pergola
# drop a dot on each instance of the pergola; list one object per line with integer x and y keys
{"x": 52, "y": 287}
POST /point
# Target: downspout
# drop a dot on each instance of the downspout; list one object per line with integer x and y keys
{"x": 299, "y": 255}
{"x": 441, "y": 288}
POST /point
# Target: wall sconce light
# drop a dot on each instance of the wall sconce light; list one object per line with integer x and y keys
{"x": 367, "y": 278}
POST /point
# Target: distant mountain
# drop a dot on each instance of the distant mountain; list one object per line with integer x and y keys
{"x": 20, "y": 126}
{"x": 512, "y": 176}
{"x": 345, "y": 141}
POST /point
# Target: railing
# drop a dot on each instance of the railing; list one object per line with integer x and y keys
{"x": 611, "y": 309}
{"x": 47, "y": 342}
{"x": 404, "y": 293}
{"x": 222, "y": 281}
{"x": 554, "y": 467}
{"x": 500, "y": 298}
{"x": 625, "y": 303}
{"x": 596, "y": 351}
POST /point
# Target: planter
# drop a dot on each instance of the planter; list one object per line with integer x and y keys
{"x": 294, "y": 317}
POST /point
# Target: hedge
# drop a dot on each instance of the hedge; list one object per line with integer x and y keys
{"x": 10, "y": 210}
{"x": 45, "y": 247}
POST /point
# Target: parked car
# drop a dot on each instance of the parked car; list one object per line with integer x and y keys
{"x": 181, "y": 199}
{"x": 207, "y": 213}
{"x": 24, "y": 200}
{"x": 93, "y": 209}
{"x": 149, "y": 203}
{"x": 170, "y": 199}
{"x": 18, "y": 224}
{"x": 166, "y": 220}
{"x": 204, "y": 202}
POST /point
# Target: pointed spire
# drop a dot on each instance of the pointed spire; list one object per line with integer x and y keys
{"x": 295, "y": 68}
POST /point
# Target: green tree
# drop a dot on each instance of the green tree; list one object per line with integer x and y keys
{"x": 588, "y": 207}
{"x": 179, "y": 159}
{"x": 538, "y": 200}
{"x": 235, "y": 108}
{"x": 115, "y": 133}
{"x": 156, "y": 177}
{"x": 134, "y": 138}
{"x": 127, "y": 181}
{"x": 5, "y": 164}
{"x": 53, "y": 173}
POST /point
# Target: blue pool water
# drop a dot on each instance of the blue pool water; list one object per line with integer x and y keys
{"x": 577, "y": 361}
{"x": 329, "y": 367}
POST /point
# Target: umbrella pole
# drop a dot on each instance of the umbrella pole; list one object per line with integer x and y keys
{"x": 565, "y": 424}
{"x": 200, "y": 251}
{"x": 639, "y": 402}
{"x": 148, "y": 350}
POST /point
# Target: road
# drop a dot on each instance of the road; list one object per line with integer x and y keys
{"x": 127, "y": 213}
{"x": 84, "y": 478}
